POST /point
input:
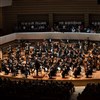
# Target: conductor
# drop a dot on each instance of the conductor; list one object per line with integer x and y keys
{"x": 37, "y": 66}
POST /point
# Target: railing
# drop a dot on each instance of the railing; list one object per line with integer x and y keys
{"x": 52, "y": 35}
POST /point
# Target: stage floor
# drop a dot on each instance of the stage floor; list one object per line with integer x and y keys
{"x": 79, "y": 81}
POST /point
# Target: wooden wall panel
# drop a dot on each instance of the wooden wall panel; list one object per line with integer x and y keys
{"x": 94, "y": 17}
{"x": 68, "y": 17}
{"x": 32, "y": 17}
{"x": 1, "y": 18}
{"x": 50, "y": 7}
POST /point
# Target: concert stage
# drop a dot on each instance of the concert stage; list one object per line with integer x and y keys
{"x": 79, "y": 81}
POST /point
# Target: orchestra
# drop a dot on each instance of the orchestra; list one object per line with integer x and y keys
{"x": 52, "y": 56}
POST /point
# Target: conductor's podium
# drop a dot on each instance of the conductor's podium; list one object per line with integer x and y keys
{"x": 41, "y": 74}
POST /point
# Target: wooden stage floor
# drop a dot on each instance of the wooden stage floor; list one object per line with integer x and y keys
{"x": 79, "y": 81}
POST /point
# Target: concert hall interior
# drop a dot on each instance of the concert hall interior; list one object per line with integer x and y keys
{"x": 50, "y": 49}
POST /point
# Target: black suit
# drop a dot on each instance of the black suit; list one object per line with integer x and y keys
{"x": 37, "y": 66}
